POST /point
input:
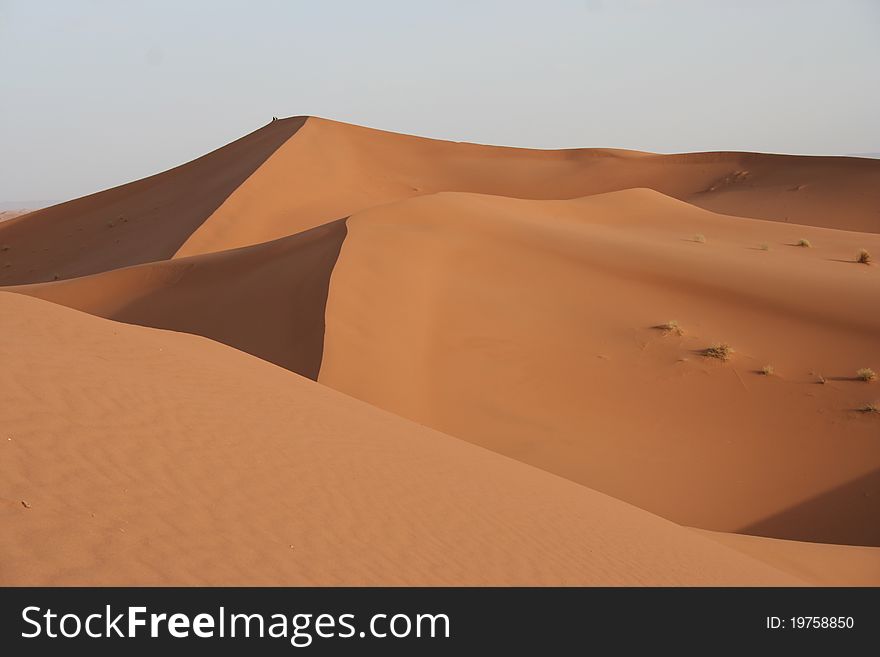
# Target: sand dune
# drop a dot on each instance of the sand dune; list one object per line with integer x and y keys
{"x": 139, "y": 222}
{"x": 505, "y": 299}
{"x": 6, "y": 215}
{"x": 267, "y": 300}
{"x": 299, "y": 173}
{"x": 526, "y": 327}
{"x": 331, "y": 170}
{"x": 501, "y": 321}
{"x": 149, "y": 457}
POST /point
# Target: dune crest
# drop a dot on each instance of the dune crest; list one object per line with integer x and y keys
{"x": 141, "y": 221}
{"x": 330, "y": 170}
{"x": 298, "y": 173}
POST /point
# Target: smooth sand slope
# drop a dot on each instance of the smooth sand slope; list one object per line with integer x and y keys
{"x": 138, "y": 456}
{"x": 527, "y": 327}
{"x": 298, "y": 173}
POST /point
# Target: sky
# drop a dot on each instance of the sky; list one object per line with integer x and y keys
{"x": 97, "y": 93}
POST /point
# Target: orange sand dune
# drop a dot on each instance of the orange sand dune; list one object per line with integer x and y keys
{"x": 526, "y": 327}
{"x": 330, "y": 170}
{"x": 267, "y": 300}
{"x": 507, "y": 297}
{"x": 139, "y": 222}
{"x": 138, "y": 456}
{"x": 6, "y": 215}
{"x": 298, "y": 173}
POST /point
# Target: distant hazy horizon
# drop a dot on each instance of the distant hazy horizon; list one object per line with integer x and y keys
{"x": 99, "y": 94}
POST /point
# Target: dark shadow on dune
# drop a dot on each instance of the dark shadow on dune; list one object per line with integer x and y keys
{"x": 142, "y": 221}
{"x": 268, "y": 299}
{"x": 854, "y": 261}
{"x": 847, "y": 515}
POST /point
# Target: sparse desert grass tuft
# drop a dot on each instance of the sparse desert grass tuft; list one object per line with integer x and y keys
{"x": 768, "y": 370}
{"x": 764, "y": 246}
{"x": 866, "y": 374}
{"x": 671, "y": 327}
{"x": 700, "y": 238}
{"x": 4, "y": 247}
{"x": 872, "y": 407}
{"x": 804, "y": 243}
{"x": 864, "y": 257}
{"x": 721, "y": 351}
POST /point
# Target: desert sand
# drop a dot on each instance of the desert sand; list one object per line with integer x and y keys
{"x": 6, "y": 215}
{"x": 431, "y": 362}
{"x": 139, "y": 456}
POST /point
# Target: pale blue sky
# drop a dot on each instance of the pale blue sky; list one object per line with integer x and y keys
{"x": 100, "y": 92}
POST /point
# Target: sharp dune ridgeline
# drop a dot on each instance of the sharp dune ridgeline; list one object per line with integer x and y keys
{"x": 327, "y": 354}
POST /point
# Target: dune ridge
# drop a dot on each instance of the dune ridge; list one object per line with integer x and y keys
{"x": 6, "y": 215}
{"x": 331, "y": 169}
{"x": 141, "y": 221}
{"x": 298, "y": 173}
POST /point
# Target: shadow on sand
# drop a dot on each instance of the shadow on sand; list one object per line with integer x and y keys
{"x": 848, "y": 515}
